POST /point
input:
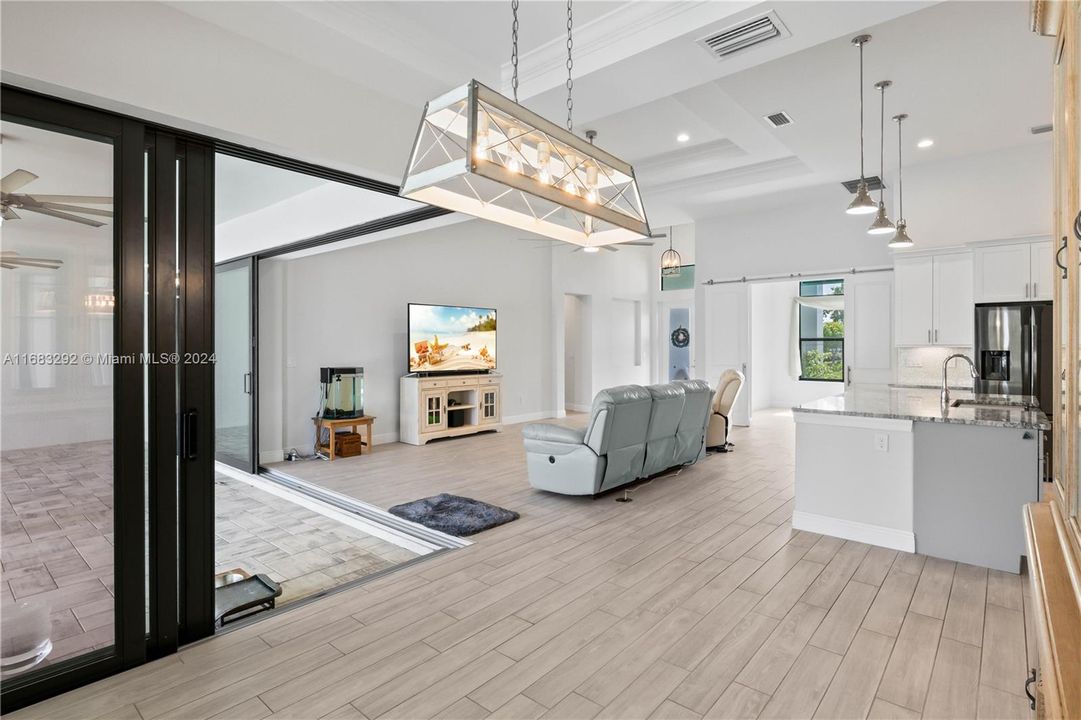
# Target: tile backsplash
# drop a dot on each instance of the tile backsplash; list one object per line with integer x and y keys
{"x": 923, "y": 366}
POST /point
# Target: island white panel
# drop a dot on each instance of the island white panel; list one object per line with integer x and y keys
{"x": 854, "y": 478}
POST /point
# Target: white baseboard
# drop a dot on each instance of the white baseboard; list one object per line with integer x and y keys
{"x": 384, "y": 438}
{"x": 852, "y": 530}
{"x": 578, "y": 407}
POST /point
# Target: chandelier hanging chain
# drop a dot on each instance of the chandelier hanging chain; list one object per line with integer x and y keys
{"x": 514, "y": 49}
{"x": 570, "y": 65}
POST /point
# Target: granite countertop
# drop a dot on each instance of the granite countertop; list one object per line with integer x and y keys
{"x": 923, "y": 405}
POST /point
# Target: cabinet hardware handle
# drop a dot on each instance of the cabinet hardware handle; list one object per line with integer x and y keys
{"x": 1026, "y": 289}
{"x": 1031, "y": 698}
{"x": 936, "y": 334}
{"x": 1035, "y": 293}
{"x": 928, "y": 336}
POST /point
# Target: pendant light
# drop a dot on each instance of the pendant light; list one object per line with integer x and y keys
{"x": 862, "y": 204}
{"x": 900, "y": 238}
{"x": 671, "y": 263}
{"x": 882, "y": 224}
{"x": 482, "y": 154}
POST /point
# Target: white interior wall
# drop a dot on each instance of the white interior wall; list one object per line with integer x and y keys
{"x": 619, "y": 291}
{"x": 762, "y": 341}
{"x": 348, "y": 307}
{"x": 578, "y": 362}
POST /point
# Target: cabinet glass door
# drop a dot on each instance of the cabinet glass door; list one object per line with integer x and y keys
{"x": 433, "y": 411}
{"x": 489, "y": 409}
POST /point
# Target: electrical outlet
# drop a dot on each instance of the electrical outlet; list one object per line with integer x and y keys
{"x": 882, "y": 442}
{"x": 290, "y": 362}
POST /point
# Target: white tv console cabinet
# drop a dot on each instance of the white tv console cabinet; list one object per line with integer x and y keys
{"x": 428, "y": 405}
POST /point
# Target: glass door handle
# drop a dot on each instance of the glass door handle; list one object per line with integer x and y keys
{"x": 247, "y": 383}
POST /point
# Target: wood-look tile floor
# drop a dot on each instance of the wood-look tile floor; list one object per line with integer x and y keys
{"x": 694, "y": 600}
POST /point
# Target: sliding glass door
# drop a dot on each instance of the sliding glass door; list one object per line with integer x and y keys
{"x": 106, "y": 414}
{"x": 234, "y": 369}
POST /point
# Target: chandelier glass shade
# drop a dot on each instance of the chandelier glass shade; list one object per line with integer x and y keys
{"x": 482, "y": 154}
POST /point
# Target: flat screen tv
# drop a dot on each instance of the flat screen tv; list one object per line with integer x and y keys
{"x": 450, "y": 339}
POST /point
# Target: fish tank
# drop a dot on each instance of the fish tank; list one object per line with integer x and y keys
{"x": 342, "y": 392}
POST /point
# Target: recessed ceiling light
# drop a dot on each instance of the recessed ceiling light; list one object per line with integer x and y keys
{"x": 683, "y": 137}
{"x": 925, "y": 143}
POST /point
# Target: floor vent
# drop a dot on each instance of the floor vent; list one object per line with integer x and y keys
{"x": 1041, "y": 129}
{"x": 779, "y": 119}
{"x": 873, "y": 183}
{"x": 747, "y": 34}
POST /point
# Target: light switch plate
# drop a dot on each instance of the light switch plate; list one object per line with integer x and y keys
{"x": 882, "y": 442}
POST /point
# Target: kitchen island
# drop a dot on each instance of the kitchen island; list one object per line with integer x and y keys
{"x": 892, "y": 467}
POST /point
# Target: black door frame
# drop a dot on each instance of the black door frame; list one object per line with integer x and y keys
{"x": 176, "y": 512}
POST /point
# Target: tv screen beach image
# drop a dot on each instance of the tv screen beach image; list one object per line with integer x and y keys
{"x": 445, "y": 338}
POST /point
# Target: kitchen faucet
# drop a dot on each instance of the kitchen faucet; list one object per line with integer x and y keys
{"x": 945, "y": 395}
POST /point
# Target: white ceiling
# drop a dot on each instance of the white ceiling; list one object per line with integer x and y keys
{"x": 970, "y": 74}
{"x": 243, "y": 187}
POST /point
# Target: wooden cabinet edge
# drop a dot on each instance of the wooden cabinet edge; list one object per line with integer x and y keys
{"x": 1056, "y": 591}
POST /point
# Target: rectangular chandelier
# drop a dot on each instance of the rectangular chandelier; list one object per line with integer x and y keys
{"x": 479, "y": 153}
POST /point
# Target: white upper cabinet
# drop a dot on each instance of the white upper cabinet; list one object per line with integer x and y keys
{"x": 1042, "y": 273}
{"x": 1013, "y": 272}
{"x": 912, "y": 283}
{"x": 953, "y": 305}
{"x": 933, "y": 300}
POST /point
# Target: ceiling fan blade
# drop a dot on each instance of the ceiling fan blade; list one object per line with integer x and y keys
{"x": 610, "y": 248}
{"x": 659, "y": 235}
{"x": 23, "y": 263}
{"x": 19, "y": 258}
{"x": 8, "y": 214}
{"x": 16, "y": 179}
{"x": 638, "y": 243}
{"x": 74, "y": 208}
{"x": 84, "y": 199}
{"x": 6, "y": 266}
{"x": 64, "y": 216}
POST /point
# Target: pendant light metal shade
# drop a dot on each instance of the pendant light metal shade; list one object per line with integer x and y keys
{"x": 482, "y": 154}
{"x": 900, "y": 239}
{"x": 881, "y": 224}
{"x": 862, "y": 204}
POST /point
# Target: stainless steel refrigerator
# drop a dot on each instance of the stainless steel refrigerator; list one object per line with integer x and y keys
{"x": 1014, "y": 346}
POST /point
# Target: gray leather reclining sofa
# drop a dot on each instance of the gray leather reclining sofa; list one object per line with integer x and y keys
{"x": 633, "y": 432}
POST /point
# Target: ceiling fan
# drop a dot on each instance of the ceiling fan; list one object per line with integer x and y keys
{"x": 597, "y": 248}
{"x": 63, "y": 207}
{"x": 10, "y": 260}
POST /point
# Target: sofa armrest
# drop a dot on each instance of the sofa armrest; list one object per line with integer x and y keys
{"x": 544, "y": 432}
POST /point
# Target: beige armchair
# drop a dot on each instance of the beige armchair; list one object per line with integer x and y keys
{"x": 728, "y": 388}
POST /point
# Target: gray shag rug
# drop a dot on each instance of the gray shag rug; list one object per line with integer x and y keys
{"x": 454, "y": 515}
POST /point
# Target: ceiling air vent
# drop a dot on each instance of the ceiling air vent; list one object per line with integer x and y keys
{"x": 1041, "y": 129}
{"x": 747, "y": 34}
{"x": 779, "y": 119}
{"x": 873, "y": 183}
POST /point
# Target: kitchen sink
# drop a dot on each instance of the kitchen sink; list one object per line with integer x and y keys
{"x": 985, "y": 405}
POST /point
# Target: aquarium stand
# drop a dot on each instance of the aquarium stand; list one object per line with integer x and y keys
{"x": 440, "y": 406}
{"x": 331, "y": 426}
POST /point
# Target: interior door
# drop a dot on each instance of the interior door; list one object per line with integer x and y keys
{"x": 234, "y": 369}
{"x": 727, "y": 340}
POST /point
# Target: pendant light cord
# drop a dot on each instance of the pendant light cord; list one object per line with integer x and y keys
{"x": 882, "y": 149}
{"x": 570, "y": 65}
{"x": 900, "y": 176}
{"x": 862, "y": 172}
{"x": 514, "y": 49}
